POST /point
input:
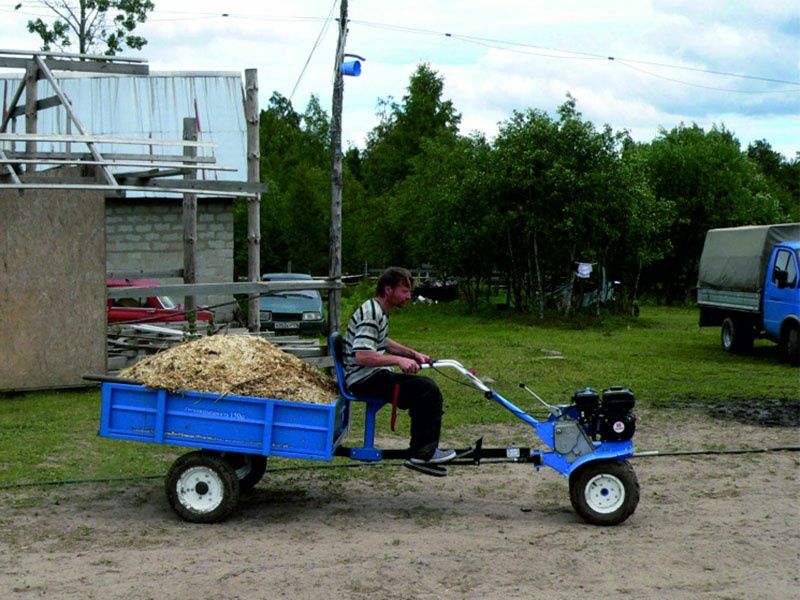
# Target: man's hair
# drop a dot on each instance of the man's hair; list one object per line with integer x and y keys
{"x": 392, "y": 277}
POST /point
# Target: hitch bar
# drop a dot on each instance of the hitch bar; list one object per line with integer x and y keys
{"x": 465, "y": 456}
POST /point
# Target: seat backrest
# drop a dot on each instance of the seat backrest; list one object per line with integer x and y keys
{"x": 336, "y": 345}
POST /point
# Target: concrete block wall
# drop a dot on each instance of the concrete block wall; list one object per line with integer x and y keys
{"x": 146, "y": 235}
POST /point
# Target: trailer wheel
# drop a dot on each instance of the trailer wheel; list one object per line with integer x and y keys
{"x": 604, "y": 493}
{"x": 736, "y": 336}
{"x": 202, "y": 487}
{"x": 249, "y": 468}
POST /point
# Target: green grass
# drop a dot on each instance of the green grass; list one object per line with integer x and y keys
{"x": 663, "y": 356}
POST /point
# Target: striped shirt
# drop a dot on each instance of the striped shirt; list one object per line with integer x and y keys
{"x": 366, "y": 332}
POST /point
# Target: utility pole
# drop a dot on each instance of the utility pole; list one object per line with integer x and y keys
{"x": 335, "y": 271}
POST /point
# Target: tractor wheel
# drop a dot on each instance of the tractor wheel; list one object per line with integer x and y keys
{"x": 736, "y": 336}
{"x": 249, "y": 468}
{"x": 202, "y": 487}
{"x": 604, "y": 493}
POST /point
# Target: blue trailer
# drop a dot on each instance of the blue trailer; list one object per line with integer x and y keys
{"x": 589, "y": 440}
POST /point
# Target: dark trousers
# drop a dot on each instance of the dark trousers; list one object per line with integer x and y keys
{"x": 419, "y": 395}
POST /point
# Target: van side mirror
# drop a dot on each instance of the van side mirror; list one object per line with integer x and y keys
{"x": 781, "y": 277}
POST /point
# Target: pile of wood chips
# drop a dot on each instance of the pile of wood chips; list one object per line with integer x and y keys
{"x": 238, "y": 365}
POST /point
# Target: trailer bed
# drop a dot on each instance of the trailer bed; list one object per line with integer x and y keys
{"x": 226, "y": 423}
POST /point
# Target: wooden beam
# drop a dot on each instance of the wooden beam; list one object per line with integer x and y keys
{"x": 40, "y": 105}
{"x": 126, "y": 188}
{"x": 98, "y": 139}
{"x": 115, "y": 157}
{"x": 31, "y": 114}
{"x": 10, "y": 169}
{"x": 221, "y": 289}
{"x": 107, "y": 175}
{"x": 251, "y": 115}
{"x": 15, "y": 98}
{"x": 196, "y": 185}
{"x": 161, "y": 169}
{"x": 73, "y": 55}
{"x": 79, "y": 66}
{"x": 189, "y": 216}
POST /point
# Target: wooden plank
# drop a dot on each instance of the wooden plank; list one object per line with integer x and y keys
{"x": 105, "y": 68}
{"x": 190, "y": 185}
{"x": 14, "y": 100}
{"x": 124, "y": 188}
{"x": 144, "y": 274}
{"x": 175, "y": 168}
{"x": 73, "y": 55}
{"x": 116, "y": 156}
{"x": 31, "y": 97}
{"x": 11, "y": 171}
{"x": 98, "y": 139}
{"x": 189, "y": 218}
{"x": 221, "y": 289}
{"x": 107, "y": 175}
{"x": 40, "y": 105}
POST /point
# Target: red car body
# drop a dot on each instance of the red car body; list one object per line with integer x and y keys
{"x": 146, "y": 309}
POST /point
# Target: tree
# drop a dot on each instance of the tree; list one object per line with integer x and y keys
{"x": 783, "y": 176}
{"x": 398, "y": 137}
{"x": 711, "y": 183}
{"x": 93, "y": 23}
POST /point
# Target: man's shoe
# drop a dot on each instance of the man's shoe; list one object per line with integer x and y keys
{"x": 425, "y": 467}
{"x": 442, "y": 456}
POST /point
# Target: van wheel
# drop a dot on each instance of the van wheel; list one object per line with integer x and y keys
{"x": 793, "y": 346}
{"x": 736, "y": 336}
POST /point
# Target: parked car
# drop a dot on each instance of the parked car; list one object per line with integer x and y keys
{"x": 154, "y": 309}
{"x": 295, "y": 311}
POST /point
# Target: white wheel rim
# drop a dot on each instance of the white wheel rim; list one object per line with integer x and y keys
{"x": 200, "y": 489}
{"x": 604, "y": 493}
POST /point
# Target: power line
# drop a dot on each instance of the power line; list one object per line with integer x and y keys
{"x": 495, "y": 43}
{"x": 548, "y": 52}
{"x": 322, "y": 32}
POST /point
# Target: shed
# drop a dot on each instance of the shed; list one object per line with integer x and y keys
{"x": 77, "y": 205}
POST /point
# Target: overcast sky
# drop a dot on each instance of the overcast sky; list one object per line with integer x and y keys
{"x": 727, "y": 62}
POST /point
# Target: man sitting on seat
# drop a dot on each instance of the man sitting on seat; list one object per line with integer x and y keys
{"x": 369, "y": 355}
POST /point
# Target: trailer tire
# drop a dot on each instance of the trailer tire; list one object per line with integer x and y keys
{"x": 736, "y": 336}
{"x": 604, "y": 492}
{"x": 202, "y": 487}
{"x": 249, "y": 469}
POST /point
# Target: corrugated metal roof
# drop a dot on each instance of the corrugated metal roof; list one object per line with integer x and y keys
{"x": 152, "y": 106}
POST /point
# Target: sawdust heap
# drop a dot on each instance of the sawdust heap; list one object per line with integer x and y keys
{"x": 234, "y": 364}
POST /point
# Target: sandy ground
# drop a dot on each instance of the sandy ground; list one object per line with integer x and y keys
{"x": 706, "y": 527}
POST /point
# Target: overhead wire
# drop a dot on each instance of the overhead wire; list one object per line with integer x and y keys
{"x": 322, "y": 33}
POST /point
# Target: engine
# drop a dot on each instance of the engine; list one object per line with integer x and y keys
{"x": 607, "y": 417}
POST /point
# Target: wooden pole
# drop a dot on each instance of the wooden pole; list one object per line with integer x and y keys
{"x": 31, "y": 98}
{"x": 252, "y": 117}
{"x": 190, "y": 226}
{"x": 335, "y": 271}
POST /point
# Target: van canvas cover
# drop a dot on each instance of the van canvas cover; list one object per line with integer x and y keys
{"x": 736, "y": 258}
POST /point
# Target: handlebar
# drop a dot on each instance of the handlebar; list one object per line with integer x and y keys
{"x": 454, "y": 364}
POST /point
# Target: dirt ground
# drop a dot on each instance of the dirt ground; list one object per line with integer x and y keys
{"x": 720, "y": 526}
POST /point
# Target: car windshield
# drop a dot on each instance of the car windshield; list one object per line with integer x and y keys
{"x": 296, "y": 294}
{"x": 167, "y": 302}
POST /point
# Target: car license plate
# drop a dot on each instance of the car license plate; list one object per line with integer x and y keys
{"x": 287, "y": 325}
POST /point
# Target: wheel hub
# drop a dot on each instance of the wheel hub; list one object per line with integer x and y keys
{"x": 200, "y": 489}
{"x": 604, "y": 493}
